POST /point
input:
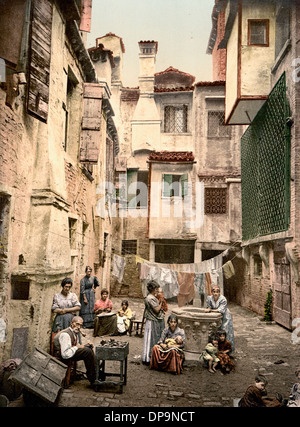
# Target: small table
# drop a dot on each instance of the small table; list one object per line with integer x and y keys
{"x": 115, "y": 351}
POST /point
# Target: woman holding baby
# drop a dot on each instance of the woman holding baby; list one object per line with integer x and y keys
{"x": 167, "y": 355}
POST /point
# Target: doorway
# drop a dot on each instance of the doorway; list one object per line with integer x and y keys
{"x": 282, "y": 290}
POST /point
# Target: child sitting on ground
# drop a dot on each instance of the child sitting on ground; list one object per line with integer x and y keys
{"x": 209, "y": 355}
{"x": 253, "y": 397}
{"x": 225, "y": 348}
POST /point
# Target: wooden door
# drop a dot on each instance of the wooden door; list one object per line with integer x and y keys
{"x": 282, "y": 292}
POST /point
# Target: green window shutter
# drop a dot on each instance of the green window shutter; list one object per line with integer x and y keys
{"x": 167, "y": 185}
{"x": 184, "y": 184}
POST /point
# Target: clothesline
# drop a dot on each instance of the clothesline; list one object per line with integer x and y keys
{"x": 210, "y": 267}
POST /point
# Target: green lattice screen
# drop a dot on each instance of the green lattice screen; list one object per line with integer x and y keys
{"x": 265, "y": 161}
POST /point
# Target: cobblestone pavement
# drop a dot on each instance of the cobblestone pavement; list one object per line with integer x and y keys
{"x": 260, "y": 348}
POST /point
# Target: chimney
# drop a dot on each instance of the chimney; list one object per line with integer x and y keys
{"x": 146, "y": 120}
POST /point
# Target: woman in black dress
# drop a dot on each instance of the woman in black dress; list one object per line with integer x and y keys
{"x": 88, "y": 285}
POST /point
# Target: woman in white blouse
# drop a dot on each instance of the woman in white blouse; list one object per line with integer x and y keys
{"x": 65, "y": 305}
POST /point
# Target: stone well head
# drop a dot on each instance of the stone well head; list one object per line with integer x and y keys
{"x": 198, "y": 326}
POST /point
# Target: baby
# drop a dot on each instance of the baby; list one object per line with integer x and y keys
{"x": 172, "y": 342}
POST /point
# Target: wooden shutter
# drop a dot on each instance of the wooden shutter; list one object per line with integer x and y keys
{"x": 12, "y": 16}
{"x": 167, "y": 185}
{"x": 91, "y": 123}
{"x": 40, "y": 57}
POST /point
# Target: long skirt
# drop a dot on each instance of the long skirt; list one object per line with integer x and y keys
{"x": 226, "y": 362}
{"x": 86, "y": 311}
{"x": 152, "y": 333}
{"x": 62, "y": 321}
{"x": 106, "y": 325}
{"x": 169, "y": 361}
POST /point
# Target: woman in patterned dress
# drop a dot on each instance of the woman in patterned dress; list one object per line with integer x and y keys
{"x": 225, "y": 349}
{"x": 167, "y": 355}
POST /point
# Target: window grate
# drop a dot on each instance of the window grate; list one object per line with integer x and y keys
{"x": 176, "y": 119}
{"x": 215, "y": 201}
{"x": 258, "y": 32}
{"x": 129, "y": 247}
{"x": 216, "y": 125}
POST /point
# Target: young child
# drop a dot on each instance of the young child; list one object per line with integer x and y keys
{"x": 160, "y": 297}
{"x": 225, "y": 348}
{"x": 253, "y": 397}
{"x": 294, "y": 397}
{"x": 209, "y": 355}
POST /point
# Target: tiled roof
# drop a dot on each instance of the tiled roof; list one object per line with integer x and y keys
{"x": 215, "y": 83}
{"x": 172, "y": 156}
{"x": 174, "y": 89}
{"x": 174, "y": 70}
{"x": 173, "y": 80}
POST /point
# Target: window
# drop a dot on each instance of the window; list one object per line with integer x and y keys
{"x": 176, "y": 119}
{"x": 84, "y": 245}
{"x": 105, "y": 241}
{"x": 283, "y": 22}
{"x": 257, "y": 265}
{"x": 174, "y": 251}
{"x": 216, "y": 127}
{"x": 258, "y": 32}
{"x": 129, "y": 247}
{"x": 72, "y": 232}
{"x": 67, "y": 107}
{"x": 137, "y": 188}
{"x": 215, "y": 201}
{"x": 20, "y": 289}
{"x": 175, "y": 185}
{"x": 4, "y": 223}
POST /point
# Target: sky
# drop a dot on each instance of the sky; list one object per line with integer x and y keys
{"x": 181, "y": 28}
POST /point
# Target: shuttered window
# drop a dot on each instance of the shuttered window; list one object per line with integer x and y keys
{"x": 91, "y": 123}
{"x": 40, "y": 58}
{"x": 12, "y": 17}
{"x": 175, "y": 185}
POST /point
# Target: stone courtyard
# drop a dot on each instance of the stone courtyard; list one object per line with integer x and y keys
{"x": 260, "y": 348}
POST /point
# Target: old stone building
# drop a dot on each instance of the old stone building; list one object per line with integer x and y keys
{"x": 177, "y": 188}
{"x": 262, "y": 92}
{"x": 58, "y": 143}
